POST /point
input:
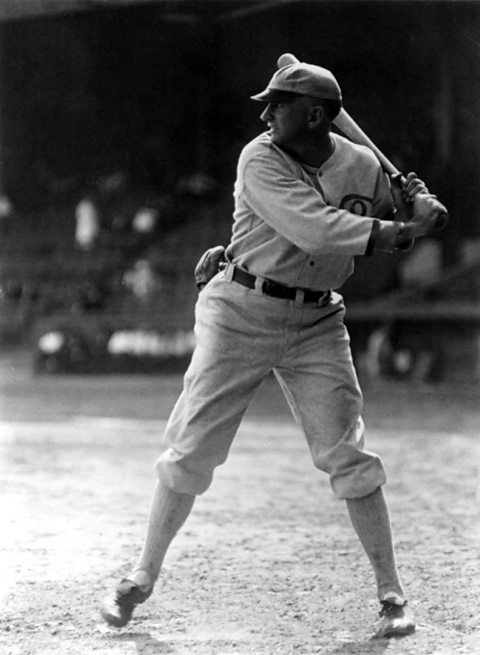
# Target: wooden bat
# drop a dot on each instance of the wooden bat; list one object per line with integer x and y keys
{"x": 350, "y": 128}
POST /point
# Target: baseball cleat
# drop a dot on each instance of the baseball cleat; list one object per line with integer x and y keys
{"x": 396, "y": 621}
{"x": 117, "y": 608}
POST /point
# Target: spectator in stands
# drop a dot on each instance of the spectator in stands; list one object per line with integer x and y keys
{"x": 87, "y": 218}
{"x": 141, "y": 279}
{"x": 145, "y": 220}
{"x": 6, "y": 212}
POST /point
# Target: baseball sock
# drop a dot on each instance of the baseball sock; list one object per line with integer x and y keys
{"x": 168, "y": 512}
{"x": 370, "y": 518}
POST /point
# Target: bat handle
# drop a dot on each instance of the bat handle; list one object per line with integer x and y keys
{"x": 398, "y": 180}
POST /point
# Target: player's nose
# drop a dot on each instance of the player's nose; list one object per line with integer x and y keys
{"x": 267, "y": 114}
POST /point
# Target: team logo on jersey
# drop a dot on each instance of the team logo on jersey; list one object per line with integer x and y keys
{"x": 356, "y": 204}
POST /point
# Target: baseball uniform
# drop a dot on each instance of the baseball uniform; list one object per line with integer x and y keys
{"x": 296, "y": 231}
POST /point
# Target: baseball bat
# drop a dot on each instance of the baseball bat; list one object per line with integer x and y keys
{"x": 346, "y": 124}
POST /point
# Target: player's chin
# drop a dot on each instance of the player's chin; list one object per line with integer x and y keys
{"x": 275, "y": 137}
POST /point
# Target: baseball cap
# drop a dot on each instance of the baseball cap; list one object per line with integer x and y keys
{"x": 300, "y": 79}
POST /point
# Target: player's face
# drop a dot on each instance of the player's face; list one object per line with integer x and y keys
{"x": 288, "y": 122}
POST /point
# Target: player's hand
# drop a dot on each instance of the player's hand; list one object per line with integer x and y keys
{"x": 426, "y": 211}
{"x": 412, "y": 185}
{"x": 404, "y": 190}
{"x": 415, "y": 187}
{"x": 208, "y": 265}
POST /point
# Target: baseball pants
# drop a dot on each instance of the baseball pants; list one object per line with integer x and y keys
{"x": 241, "y": 336}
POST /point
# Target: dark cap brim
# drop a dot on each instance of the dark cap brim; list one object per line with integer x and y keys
{"x": 273, "y": 95}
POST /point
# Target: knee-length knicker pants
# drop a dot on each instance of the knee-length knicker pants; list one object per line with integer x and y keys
{"x": 243, "y": 335}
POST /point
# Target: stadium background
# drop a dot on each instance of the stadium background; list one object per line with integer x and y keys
{"x": 146, "y": 105}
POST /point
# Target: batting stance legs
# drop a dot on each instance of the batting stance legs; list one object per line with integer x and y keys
{"x": 236, "y": 349}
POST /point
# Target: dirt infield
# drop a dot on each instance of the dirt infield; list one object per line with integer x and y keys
{"x": 267, "y": 563}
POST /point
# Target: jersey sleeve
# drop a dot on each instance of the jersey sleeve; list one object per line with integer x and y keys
{"x": 298, "y": 211}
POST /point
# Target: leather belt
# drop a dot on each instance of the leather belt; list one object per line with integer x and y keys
{"x": 277, "y": 290}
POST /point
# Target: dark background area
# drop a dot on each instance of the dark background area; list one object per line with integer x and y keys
{"x": 159, "y": 91}
{"x": 163, "y": 93}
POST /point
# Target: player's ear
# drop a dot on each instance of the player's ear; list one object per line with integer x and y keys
{"x": 316, "y": 115}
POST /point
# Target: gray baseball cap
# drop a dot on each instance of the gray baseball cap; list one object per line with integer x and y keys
{"x": 300, "y": 79}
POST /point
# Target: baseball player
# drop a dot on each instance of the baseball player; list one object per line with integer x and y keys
{"x": 307, "y": 201}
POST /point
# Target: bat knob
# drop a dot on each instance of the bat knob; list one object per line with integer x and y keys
{"x": 406, "y": 246}
{"x": 441, "y": 222}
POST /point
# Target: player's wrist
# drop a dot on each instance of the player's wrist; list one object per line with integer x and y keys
{"x": 394, "y": 235}
{"x": 404, "y": 233}
{"x": 423, "y": 224}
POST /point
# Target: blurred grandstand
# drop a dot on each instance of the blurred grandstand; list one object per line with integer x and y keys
{"x": 151, "y": 99}
{"x": 428, "y": 331}
{"x": 79, "y": 310}
{"x": 74, "y": 309}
